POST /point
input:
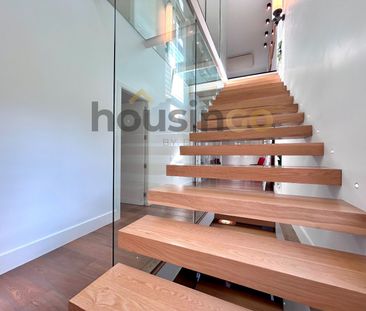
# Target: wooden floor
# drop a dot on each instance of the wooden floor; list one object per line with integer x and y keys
{"x": 48, "y": 282}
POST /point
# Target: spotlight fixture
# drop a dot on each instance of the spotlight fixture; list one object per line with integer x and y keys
{"x": 265, "y": 45}
{"x": 277, "y": 9}
{"x": 266, "y": 34}
{"x": 271, "y": 43}
{"x": 269, "y": 6}
{"x": 268, "y": 21}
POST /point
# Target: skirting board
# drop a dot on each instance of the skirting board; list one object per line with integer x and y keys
{"x": 21, "y": 255}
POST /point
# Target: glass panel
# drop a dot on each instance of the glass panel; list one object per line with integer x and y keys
{"x": 161, "y": 61}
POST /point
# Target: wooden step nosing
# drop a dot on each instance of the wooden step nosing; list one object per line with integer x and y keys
{"x": 301, "y": 175}
{"x": 278, "y": 100}
{"x": 309, "y": 149}
{"x": 292, "y": 132}
{"x": 253, "y": 122}
{"x": 212, "y": 115}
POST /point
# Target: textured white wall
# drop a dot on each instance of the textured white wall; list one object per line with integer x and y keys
{"x": 56, "y": 57}
{"x": 324, "y": 66}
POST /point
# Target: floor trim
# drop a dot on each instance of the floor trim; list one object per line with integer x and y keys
{"x": 18, "y": 256}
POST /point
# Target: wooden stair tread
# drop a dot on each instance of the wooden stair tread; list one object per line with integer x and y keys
{"x": 320, "y": 213}
{"x": 253, "y": 92}
{"x": 252, "y": 86}
{"x": 238, "y": 113}
{"x": 276, "y": 87}
{"x": 301, "y": 175}
{"x": 297, "y": 149}
{"x": 253, "y": 80}
{"x": 237, "y": 297}
{"x": 246, "y": 230}
{"x": 240, "y": 103}
{"x": 300, "y": 131}
{"x": 321, "y": 278}
{"x": 124, "y": 288}
{"x": 247, "y": 221}
{"x": 258, "y": 121}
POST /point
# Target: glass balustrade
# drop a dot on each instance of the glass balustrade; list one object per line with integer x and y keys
{"x": 165, "y": 77}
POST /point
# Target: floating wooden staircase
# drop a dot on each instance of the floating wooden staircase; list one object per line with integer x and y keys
{"x": 314, "y": 276}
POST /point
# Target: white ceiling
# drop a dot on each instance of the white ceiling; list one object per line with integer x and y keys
{"x": 244, "y": 32}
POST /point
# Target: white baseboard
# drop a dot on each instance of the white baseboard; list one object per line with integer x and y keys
{"x": 16, "y": 257}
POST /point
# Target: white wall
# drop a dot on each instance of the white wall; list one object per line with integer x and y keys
{"x": 56, "y": 57}
{"x": 324, "y": 66}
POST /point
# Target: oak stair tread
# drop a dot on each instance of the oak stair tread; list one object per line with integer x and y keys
{"x": 252, "y": 92}
{"x": 253, "y": 80}
{"x": 300, "y": 131}
{"x": 322, "y": 278}
{"x": 328, "y": 214}
{"x": 301, "y": 175}
{"x": 239, "y": 103}
{"x": 247, "y": 230}
{"x": 247, "y": 221}
{"x": 238, "y": 113}
{"x": 252, "y": 86}
{"x": 127, "y": 289}
{"x": 255, "y": 121}
{"x": 238, "y": 297}
{"x": 290, "y": 149}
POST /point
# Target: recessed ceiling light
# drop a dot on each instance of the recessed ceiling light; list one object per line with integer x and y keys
{"x": 266, "y": 34}
{"x": 268, "y": 21}
{"x": 265, "y": 45}
{"x": 272, "y": 43}
{"x": 269, "y": 6}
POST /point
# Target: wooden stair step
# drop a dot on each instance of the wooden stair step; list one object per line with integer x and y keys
{"x": 322, "y": 278}
{"x": 301, "y": 175}
{"x": 253, "y": 121}
{"x": 299, "y": 149}
{"x": 238, "y": 297}
{"x": 254, "y": 80}
{"x": 328, "y": 214}
{"x": 127, "y": 289}
{"x": 247, "y": 221}
{"x": 244, "y": 229}
{"x": 225, "y": 104}
{"x": 252, "y": 94}
{"x": 301, "y": 131}
{"x": 252, "y": 86}
{"x": 239, "y": 113}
